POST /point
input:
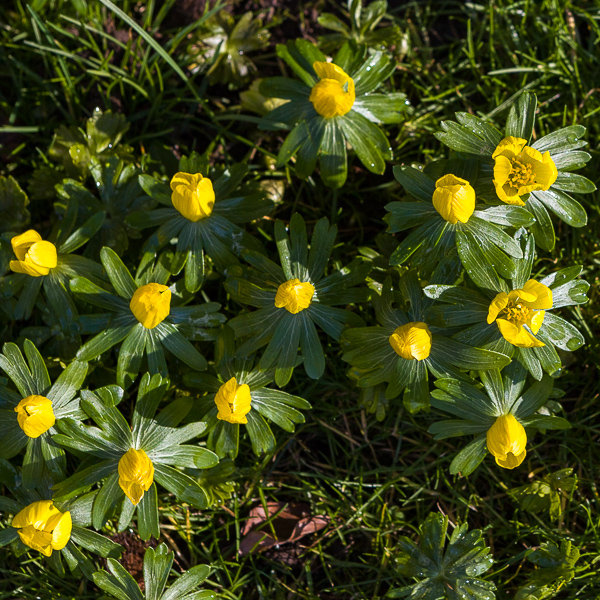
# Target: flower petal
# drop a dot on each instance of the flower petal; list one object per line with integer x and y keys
{"x": 498, "y": 303}
{"x": 517, "y": 336}
{"x": 543, "y": 295}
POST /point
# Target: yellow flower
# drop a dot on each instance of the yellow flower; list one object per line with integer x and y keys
{"x": 454, "y": 199}
{"x": 233, "y": 402}
{"x": 506, "y": 440}
{"x": 520, "y": 169}
{"x": 43, "y": 527}
{"x": 334, "y": 95}
{"x": 151, "y": 304}
{"x": 294, "y": 295}
{"x": 526, "y": 306}
{"x": 136, "y": 474}
{"x": 412, "y": 341}
{"x": 192, "y": 195}
{"x": 35, "y": 256}
{"x": 35, "y": 415}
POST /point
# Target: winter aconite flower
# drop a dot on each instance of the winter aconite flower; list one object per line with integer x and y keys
{"x": 29, "y": 415}
{"x": 294, "y": 298}
{"x": 539, "y": 176}
{"x": 454, "y": 199}
{"x": 43, "y": 527}
{"x": 333, "y": 106}
{"x": 142, "y": 318}
{"x": 518, "y": 308}
{"x": 237, "y": 402}
{"x": 506, "y": 440}
{"x": 136, "y": 474}
{"x": 201, "y": 216}
{"x": 151, "y": 304}
{"x": 46, "y": 267}
{"x": 35, "y": 256}
{"x": 520, "y": 169}
{"x": 35, "y": 415}
{"x": 412, "y": 341}
{"x": 294, "y": 295}
{"x": 193, "y": 195}
{"x": 234, "y": 402}
{"x": 497, "y": 414}
{"x": 334, "y": 94}
{"x": 134, "y": 459}
{"x": 514, "y": 318}
{"x": 450, "y": 229}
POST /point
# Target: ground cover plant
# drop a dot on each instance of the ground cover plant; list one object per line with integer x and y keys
{"x": 298, "y": 300}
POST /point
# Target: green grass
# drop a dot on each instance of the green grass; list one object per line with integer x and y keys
{"x": 375, "y": 481}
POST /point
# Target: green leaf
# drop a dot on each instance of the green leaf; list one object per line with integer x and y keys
{"x": 68, "y": 384}
{"x": 467, "y": 357}
{"x": 561, "y": 333}
{"x": 118, "y": 330}
{"x": 438, "y": 569}
{"x": 292, "y": 142}
{"x": 118, "y": 273}
{"x": 94, "y": 542}
{"x": 260, "y": 434}
{"x": 119, "y": 583}
{"x": 91, "y": 293}
{"x": 106, "y": 500}
{"x": 13, "y": 363}
{"x": 148, "y": 524}
{"x": 571, "y": 182}
{"x": 33, "y": 464}
{"x": 157, "y": 565}
{"x": 521, "y": 117}
{"x": 192, "y": 457}
{"x": 284, "y": 87}
{"x": 374, "y": 71}
{"x": 415, "y": 182}
{"x": 462, "y": 139}
{"x": 13, "y": 205}
{"x": 542, "y": 228}
{"x": 470, "y": 457}
{"x": 130, "y": 355}
{"x": 297, "y": 63}
{"x": 313, "y": 132}
{"x": 180, "y": 346}
{"x": 183, "y": 486}
{"x": 368, "y": 140}
{"x": 563, "y": 206}
{"x": 476, "y": 263}
{"x": 333, "y": 162}
{"x": 190, "y": 580}
{"x": 82, "y": 235}
{"x": 561, "y": 141}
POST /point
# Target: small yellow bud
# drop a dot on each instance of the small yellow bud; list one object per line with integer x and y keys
{"x": 454, "y": 199}
{"x": 333, "y": 95}
{"x": 136, "y": 474}
{"x": 506, "y": 440}
{"x": 35, "y": 256}
{"x": 520, "y": 169}
{"x": 411, "y": 341}
{"x": 294, "y": 295}
{"x": 233, "y": 402}
{"x": 35, "y": 415}
{"x": 43, "y": 527}
{"x": 151, "y": 304}
{"x": 192, "y": 195}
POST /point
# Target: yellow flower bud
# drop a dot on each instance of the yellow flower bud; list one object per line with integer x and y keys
{"x": 412, "y": 341}
{"x": 151, "y": 304}
{"x": 333, "y": 95}
{"x": 192, "y": 195}
{"x": 294, "y": 295}
{"x": 35, "y": 256}
{"x": 136, "y": 474}
{"x": 506, "y": 440}
{"x": 35, "y": 415}
{"x": 454, "y": 199}
{"x": 526, "y": 306}
{"x": 233, "y": 402}
{"x": 43, "y": 527}
{"x": 520, "y": 169}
